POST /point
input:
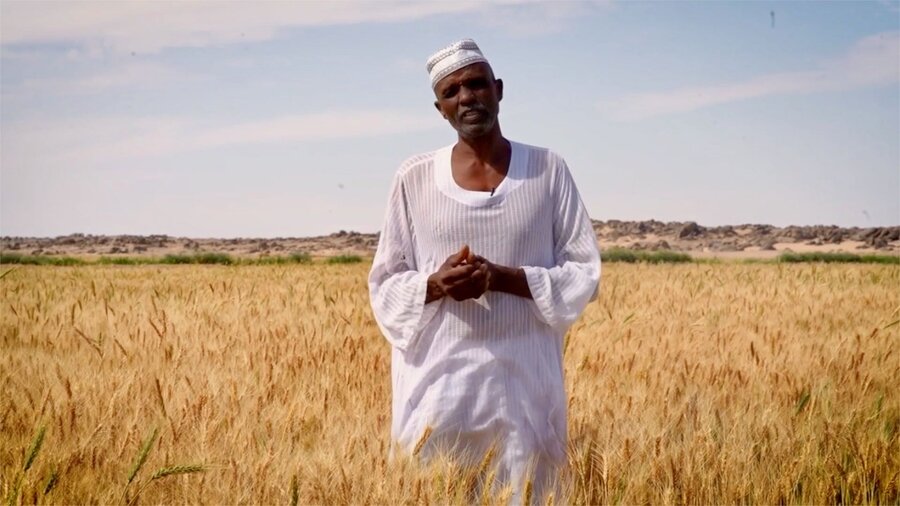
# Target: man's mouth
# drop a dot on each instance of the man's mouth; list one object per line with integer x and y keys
{"x": 473, "y": 115}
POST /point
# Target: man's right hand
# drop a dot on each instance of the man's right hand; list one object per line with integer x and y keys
{"x": 462, "y": 276}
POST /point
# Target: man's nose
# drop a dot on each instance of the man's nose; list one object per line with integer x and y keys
{"x": 466, "y": 95}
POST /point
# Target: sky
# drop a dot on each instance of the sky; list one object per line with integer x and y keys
{"x": 285, "y": 119}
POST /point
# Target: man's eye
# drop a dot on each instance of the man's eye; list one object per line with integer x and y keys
{"x": 450, "y": 91}
{"x": 477, "y": 84}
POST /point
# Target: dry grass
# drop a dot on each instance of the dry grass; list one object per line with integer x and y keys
{"x": 688, "y": 384}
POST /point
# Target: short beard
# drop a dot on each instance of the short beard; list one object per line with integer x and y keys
{"x": 475, "y": 130}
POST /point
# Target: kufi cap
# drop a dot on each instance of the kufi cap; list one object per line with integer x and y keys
{"x": 452, "y": 58}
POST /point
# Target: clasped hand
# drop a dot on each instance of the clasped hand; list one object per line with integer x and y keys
{"x": 462, "y": 276}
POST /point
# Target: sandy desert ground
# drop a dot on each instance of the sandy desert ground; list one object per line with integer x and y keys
{"x": 740, "y": 241}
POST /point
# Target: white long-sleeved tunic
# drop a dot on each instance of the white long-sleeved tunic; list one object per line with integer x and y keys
{"x": 487, "y": 370}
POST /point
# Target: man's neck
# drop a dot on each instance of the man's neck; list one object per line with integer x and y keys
{"x": 481, "y": 164}
{"x": 484, "y": 150}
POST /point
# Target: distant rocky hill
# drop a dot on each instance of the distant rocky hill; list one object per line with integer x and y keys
{"x": 689, "y": 236}
{"x": 730, "y": 240}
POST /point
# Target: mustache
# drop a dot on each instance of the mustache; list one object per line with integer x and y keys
{"x": 473, "y": 108}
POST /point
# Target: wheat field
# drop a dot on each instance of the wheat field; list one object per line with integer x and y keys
{"x": 694, "y": 383}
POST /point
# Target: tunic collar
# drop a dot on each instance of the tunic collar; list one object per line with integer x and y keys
{"x": 443, "y": 176}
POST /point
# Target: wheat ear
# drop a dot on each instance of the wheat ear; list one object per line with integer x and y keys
{"x": 142, "y": 455}
{"x": 173, "y": 470}
{"x": 422, "y": 440}
{"x": 34, "y": 448}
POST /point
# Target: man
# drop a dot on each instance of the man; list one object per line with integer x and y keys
{"x": 486, "y": 257}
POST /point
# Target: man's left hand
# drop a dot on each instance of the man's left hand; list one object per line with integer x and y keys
{"x": 501, "y": 278}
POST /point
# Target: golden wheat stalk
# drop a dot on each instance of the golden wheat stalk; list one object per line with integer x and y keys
{"x": 175, "y": 470}
{"x": 295, "y": 496}
{"x": 422, "y": 440}
{"x": 30, "y": 456}
{"x": 162, "y": 473}
{"x": 529, "y": 491}
{"x": 52, "y": 480}
{"x": 142, "y": 456}
{"x": 35, "y": 447}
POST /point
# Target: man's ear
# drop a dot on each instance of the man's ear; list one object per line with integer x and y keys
{"x": 499, "y": 84}
{"x": 438, "y": 107}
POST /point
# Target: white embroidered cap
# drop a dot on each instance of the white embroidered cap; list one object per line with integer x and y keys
{"x": 452, "y": 58}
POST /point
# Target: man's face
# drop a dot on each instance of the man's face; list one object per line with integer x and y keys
{"x": 470, "y": 100}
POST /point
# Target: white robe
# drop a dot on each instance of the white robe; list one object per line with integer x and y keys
{"x": 486, "y": 370}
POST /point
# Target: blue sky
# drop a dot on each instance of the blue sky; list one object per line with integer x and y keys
{"x": 258, "y": 119}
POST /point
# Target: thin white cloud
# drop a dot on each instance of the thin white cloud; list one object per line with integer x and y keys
{"x": 891, "y": 5}
{"x": 872, "y": 61}
{"x": 145, "y": 26}
{"x": 132, "y": 75}
{"x": 150, "y": 26}
{"x": 317, "y": 127}
{"x": 63, "y": 33}
{"x": 101, "y": 140}
{"x": 523, "y": 18}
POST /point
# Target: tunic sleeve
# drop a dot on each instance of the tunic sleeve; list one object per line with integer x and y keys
{"x": 396, "y": 288}
{"x": 561, "y": 292}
